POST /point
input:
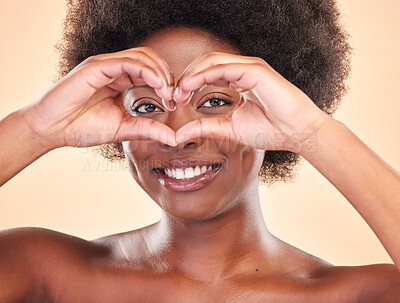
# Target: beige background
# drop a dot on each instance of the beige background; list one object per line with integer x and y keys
{"x": 71, "y": 191}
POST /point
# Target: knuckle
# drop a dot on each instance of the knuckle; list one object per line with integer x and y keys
{"x": 258, "y": 66}
{"x": 200, "y": 123}
{"x": 152, "y": 124}
{"x": 87, "y": 67}
{"x": 210, "y": 55}
{"x": 219, "y": 123}
{"x": 94, "y": 58}
{"x": 259, "y": 60}
{"x": 140, "y": 52}
{"x": 144, "y": 49}
{"x": 88, "y": 60}
{"x": 135, "y": 122}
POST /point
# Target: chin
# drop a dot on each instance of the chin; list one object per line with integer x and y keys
{"x": 196, "y": 211}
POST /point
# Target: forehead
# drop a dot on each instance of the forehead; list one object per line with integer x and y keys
{"x": 180, "y": 46}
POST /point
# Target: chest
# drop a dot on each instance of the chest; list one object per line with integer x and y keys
{"x": 145, "y": 287}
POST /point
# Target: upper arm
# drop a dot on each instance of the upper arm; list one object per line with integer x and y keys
{"x": 36, "y": 261}
{"x": 16, "y": 276}
{"x": 375, "y": 282}
{"x": 385, "y": 282}
{"x": 364, "y": 283}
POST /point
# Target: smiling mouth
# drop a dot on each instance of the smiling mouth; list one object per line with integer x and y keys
{"x": 188, "y": 172}
{"x": 187, "y": 178}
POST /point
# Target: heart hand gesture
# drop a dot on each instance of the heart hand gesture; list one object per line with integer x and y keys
{"x": 85, "y": 108}
{"x": 275, "y": 114}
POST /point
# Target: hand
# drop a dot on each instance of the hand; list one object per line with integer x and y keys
{"x": 85, "y": 107}
{"x": 275, "y": 114}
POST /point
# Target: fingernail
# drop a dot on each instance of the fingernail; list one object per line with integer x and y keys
{"x": 190, "y": 96}
{"x": 176, "y": 91}
{"x": 171, "y": 105}
{"x": 164, "y": 102}
{"x": 203, "y": 87}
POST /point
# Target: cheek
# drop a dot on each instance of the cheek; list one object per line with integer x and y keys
{"x": 250, "y": 163}
{"x": 244, "y": 162}
{"x": 136, "y": 154}
{"x": 256, "y": 158}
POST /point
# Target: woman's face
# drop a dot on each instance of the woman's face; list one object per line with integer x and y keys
{"x": 224, "y": 169}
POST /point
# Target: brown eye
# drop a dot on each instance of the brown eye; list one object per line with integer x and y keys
{"x": 215, "y": 102}
{"x": 145, "y": 108}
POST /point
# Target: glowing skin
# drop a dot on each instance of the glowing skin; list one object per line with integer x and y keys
{"x": 241, "y": 163}
{"x": 212, "y": 243}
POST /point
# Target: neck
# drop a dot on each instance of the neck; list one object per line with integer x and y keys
{"x": 223, "y": 246}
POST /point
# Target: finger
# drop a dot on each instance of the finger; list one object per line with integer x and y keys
{"x": 162, "y": 63}
{"x": 206, "y": 60}
{"x": 92, "y": 77}
{"x": 216, "y": 58}
{"x": 120, "y": 83}
{"x": 145, "y": 54}
{"x": 125, "y": 81}
{"x": 167, "y": 73}
{"x": 239, "y": 76}
{"x": 134, "y": 128}
{"x": 220, "y": 128}
{"x": 186, "y": 99}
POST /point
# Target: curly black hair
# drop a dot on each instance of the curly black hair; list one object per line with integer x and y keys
{"x": 302, "y": 39}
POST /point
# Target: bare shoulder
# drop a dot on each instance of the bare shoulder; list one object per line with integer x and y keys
{"x": 38, "y": 244}
{"x": 30, "y": 257}
{"x": 365, "y": 283}
{"x": 371, "y": 283}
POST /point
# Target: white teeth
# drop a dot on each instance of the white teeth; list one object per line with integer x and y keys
{"x": 169, "y": 172}
{"x": 179, "y": 174}
{"x": 189, "y": 173}
{"x": 197, "y": 171}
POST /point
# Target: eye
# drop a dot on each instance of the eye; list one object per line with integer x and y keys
{"x": 216, "y": 101}
{"x": 145, "y": 107}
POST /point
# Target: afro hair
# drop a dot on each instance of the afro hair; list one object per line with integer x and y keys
{"x": 302, "y": 39}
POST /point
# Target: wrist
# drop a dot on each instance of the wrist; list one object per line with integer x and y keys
{"x": 19, "y": 146}
{"x": 303, "y": 139}
{"x": 26, "y": 137}
{"x": 320, "y": 139}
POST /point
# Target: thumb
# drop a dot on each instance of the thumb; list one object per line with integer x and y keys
{"x": 217, "y": 128}
{"x": 135, "y": 128}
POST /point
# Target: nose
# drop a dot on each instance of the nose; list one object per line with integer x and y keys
{"x": 193, "y": 143}
{"x": 175, "y": 120}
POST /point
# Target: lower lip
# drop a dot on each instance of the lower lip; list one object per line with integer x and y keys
{"x": 188, "y": 184}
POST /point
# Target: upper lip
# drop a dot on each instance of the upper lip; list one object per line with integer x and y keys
{"x": 185, "y": 163}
